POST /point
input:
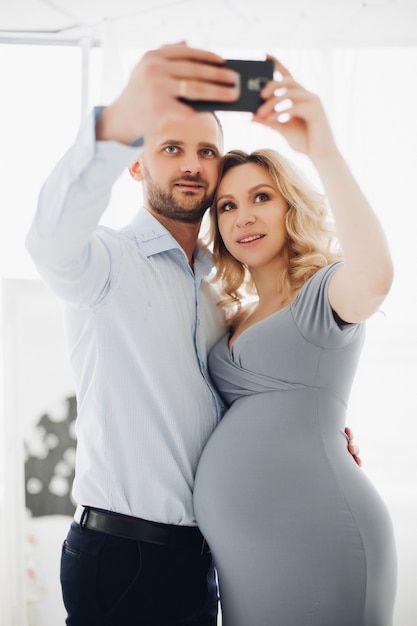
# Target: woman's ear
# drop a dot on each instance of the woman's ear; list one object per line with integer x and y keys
{"x": 136, "y": 171}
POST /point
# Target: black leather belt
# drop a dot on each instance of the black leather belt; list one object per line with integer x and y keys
{"x": 127, "y": 527}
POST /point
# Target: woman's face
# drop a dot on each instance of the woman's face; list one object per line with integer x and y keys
{"x": 251, "y": 212}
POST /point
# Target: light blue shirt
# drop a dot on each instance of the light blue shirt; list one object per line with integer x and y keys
{"x": 139, "y": 326}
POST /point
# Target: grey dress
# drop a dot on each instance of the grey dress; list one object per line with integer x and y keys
{"x": 299, "y": 535}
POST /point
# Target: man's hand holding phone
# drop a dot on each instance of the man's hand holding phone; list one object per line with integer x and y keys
{"x": 253, "y": 76}
{"x": 174, "y": 74}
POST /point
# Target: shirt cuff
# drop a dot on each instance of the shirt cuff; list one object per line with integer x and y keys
{"x": 137, "y": 143}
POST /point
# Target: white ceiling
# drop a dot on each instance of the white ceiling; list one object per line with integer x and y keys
{"x": 214, "y": 23}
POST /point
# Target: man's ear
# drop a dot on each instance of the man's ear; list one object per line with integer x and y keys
{"x": 136, "y": 171}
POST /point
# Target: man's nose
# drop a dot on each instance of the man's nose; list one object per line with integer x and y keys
{"x": 191, "y": 165}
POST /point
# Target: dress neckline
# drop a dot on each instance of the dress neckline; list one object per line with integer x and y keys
{"x": 267, "y": 317}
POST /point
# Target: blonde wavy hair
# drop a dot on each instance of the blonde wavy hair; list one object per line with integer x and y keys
{"x": 311, "y": 239}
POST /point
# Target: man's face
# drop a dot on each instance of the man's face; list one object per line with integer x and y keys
{"x": 180, "y": 167}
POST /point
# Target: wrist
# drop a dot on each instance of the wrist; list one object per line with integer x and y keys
{"x": 326, "y": 157}
{"x": 112, "y": 126}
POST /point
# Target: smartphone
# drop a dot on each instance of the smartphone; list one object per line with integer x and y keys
{"x": 254, "y": 75}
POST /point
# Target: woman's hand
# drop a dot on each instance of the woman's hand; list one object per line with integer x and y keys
{"x": 297, "y": 114}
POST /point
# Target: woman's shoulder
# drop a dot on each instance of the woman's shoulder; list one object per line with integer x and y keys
{"x": 320, "y": 278}
{"x": 314, "y": 315}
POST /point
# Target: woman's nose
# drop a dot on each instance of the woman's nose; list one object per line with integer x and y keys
{"x": 244, "y": 218}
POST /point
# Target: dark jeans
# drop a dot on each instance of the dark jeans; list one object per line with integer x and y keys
{"x": 109, "y": 581}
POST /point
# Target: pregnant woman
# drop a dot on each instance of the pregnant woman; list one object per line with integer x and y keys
{"x": 299, "y": 535}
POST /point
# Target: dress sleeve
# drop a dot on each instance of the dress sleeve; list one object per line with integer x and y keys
{"x": 314, "y": 316}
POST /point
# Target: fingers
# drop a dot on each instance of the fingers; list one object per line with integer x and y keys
{"x": 194, "y": 64}
{"x": 182, "y": 51}
{"x": 182, "y": 89}
{"x": 284, "y": 90}
{"x": 289, "y": 96}
{"x": 195, "y": 89}
{"x": 275, "y": 108}
{"x": 190, "y": 70}
{"x": 352, "y": 448}
{"x": 354, "y": 451}
{"x": 191, "y": 73}
{"x": 279, "y": 67}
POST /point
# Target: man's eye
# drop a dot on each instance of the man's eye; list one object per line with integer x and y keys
{"x": 171, "y": 149}
{"x": 261, "y": 197}
{"x": 207, "y": 152}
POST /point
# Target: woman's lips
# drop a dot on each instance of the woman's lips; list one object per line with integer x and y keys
{"x": 250, "y": 238}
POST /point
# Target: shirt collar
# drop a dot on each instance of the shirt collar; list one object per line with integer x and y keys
{"x": 153, "y": 238}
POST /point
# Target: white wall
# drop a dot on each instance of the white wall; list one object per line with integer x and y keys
{"x": 38, "y": 383}
{"x": 39, "y": 116}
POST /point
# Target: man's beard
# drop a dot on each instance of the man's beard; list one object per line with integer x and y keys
{"x": 164, "y": 203}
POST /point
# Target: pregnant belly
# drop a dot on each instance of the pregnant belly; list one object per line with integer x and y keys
{"x": 293, "y": 523}
{"x": 278, "y": 462}
{"x": 268, "y": 453}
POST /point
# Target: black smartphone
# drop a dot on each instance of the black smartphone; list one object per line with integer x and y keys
{"x": 254, "y": 75}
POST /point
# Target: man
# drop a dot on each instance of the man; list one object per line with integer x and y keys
{"x": 140, "y": 320}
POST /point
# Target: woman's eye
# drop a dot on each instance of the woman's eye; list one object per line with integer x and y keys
{"x": 226, "y": 207}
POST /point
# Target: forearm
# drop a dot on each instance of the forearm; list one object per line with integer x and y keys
{"x": 75, "y": 195}
{"x": 357, "y": 289}
{"x": 61, "y": 239}
{"x": 359, "y": 230}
